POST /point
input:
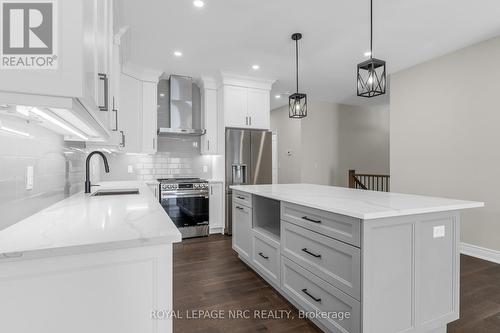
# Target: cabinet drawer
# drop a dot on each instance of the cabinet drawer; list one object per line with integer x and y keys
{"x": 266, "y": 256}
{"x": 341, "y": 227}
{"x": 336, "y": 262}
{"x": 243, "y": 198}
{"x": 313, "y": 294}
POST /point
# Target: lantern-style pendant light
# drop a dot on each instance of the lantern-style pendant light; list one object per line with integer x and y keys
{"x": 371, "y": 73}
{"x": 297, "y": 102}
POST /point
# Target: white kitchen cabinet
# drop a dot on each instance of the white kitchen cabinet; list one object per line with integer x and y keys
{"x": 242, "y": 230}
{"x": 76, "y": 74}
{"x": 246, "y": 102}
{"x": 259, "y": 108}
{"x": 235, "y": 106}
{"x": 137, "y": 115}
{"x": 216, "y": 210}
{"x": 154, "y": 187}
{"x": 209, "y": 117}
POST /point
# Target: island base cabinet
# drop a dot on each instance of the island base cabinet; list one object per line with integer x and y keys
{"x": 242, "y": 230}
{"x": 336, "y": 311}
{"x": 126, "y": 291}
{"x": 411, "y": 273}
{"x": 266, "y": 257}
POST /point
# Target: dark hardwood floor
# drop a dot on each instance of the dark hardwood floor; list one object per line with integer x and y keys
{"x": 209, "y": 276}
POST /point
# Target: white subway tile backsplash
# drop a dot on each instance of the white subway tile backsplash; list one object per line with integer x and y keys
{"x": 55, "y": 174}
{"x": 160, "y": 165}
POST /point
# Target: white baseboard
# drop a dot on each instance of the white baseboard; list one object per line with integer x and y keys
{"x": 480, "y": 252}
{"x": 216, "y": 230}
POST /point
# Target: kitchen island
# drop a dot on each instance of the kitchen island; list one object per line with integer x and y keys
{"x": 89, "y": 263}
{"x": 353, "y": 260}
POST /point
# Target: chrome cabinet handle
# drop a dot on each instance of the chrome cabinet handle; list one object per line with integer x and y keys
{"x": 122, "y": 144}
{"x": 263, "y": 256}
{"x": 314, "y": 298}
{"x": 103, "y": 77}
{"x": 310, "y": 253}
{"x": 208, "y": 144}
{"x": 250, "y": 121}
{"x": 310, "y": 219}
{"x": 116, "y": 115}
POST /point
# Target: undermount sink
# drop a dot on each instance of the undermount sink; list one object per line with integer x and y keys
{"x": 106, "y": 192}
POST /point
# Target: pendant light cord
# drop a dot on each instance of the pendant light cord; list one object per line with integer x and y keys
{"x": 371, "y": 29}
{"x": 297, "y": 62}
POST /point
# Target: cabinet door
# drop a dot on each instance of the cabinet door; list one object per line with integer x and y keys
{"x": 149, "y": 117}
{"x": 235, "y": 106}
{"x": 242, "y": 227}
{"x": 102, "y": 55}
{"x": 209, "y": 141}
{"x": 130, "y": 113}
{"x": 67, "y": 79}
{"x": 259, "y": 108}
{"x": 215, "y": 210}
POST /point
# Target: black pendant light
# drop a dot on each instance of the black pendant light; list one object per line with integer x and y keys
{"x": 297, "y": 102}
{"x": 371, "y": 73}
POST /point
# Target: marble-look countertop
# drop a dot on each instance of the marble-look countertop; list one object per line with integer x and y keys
{"x": 84, "y": 223}
{"x": 360, "y": 204}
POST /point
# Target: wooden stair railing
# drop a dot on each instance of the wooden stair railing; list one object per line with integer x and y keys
{"x": 371, "y": 182}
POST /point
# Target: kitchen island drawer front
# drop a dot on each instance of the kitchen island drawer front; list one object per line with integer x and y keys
{"x": 333, "y": 261}
{"x": 313, "y": 294}
{"x": 341, "y": 227}
{"x": 266, "y": 257}
{"x": 243, "y": 198}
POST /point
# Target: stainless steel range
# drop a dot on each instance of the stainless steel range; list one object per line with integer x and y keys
{"x": 186, "y": 202}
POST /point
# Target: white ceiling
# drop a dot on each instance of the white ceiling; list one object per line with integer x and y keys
{"x": 232, "y": 35}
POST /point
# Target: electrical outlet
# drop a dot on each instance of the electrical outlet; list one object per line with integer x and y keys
{"x": 438, "y": 231}
{"x": 130, "y": 169}
{"x": 30, "y": 177}
{"x": 205, "y": 169}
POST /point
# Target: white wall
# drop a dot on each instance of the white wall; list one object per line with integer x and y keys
{"x": 363, "y": 140}
{"x": 445, "y": 134}
{"x": 319, "y": 144}
{"x": 332, "y": 139}
{"x": 289, "y": 148}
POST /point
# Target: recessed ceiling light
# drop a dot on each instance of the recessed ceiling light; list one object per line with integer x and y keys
{"x": 198, "y": 3}
{"x": 367, "y": 53}
{"x": 277, "y": 96}
{"x": 178, "y": 53}
{"x": 255, "y": 67}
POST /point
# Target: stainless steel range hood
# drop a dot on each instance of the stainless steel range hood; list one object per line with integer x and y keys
{"x": 183, "y": 112}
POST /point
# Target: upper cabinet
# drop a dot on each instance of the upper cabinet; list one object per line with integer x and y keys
{"x": 76, "y": 63}
{"x": 246, "y": 102}
{"x": 209, "y": 117}
{"x": 137, "y": 110}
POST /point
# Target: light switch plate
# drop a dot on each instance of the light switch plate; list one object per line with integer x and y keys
{"x": 30, "y": 177}
{"x": 130, "y": 169}
{"x": 438, "y": 231}
{"x": 205, "y": 169}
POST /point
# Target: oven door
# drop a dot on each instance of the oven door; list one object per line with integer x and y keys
{"x": 186, "y": 209}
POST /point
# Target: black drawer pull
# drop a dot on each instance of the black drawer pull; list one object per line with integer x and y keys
{"x": 308, "y": 252}
{"x": 263, "y": 256}
{"x": 310, "y": 219}
{"x": 238, "y": 207}
{"x": 314, "y": 298}
{"x": 241, "y": 198}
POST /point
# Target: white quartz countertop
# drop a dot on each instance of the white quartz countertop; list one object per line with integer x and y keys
{"x": 361, "y": 204}
{"x": 84, "y": 223}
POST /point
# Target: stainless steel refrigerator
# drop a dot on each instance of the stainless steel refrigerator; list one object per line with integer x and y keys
{"x": 248, "y": 162}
